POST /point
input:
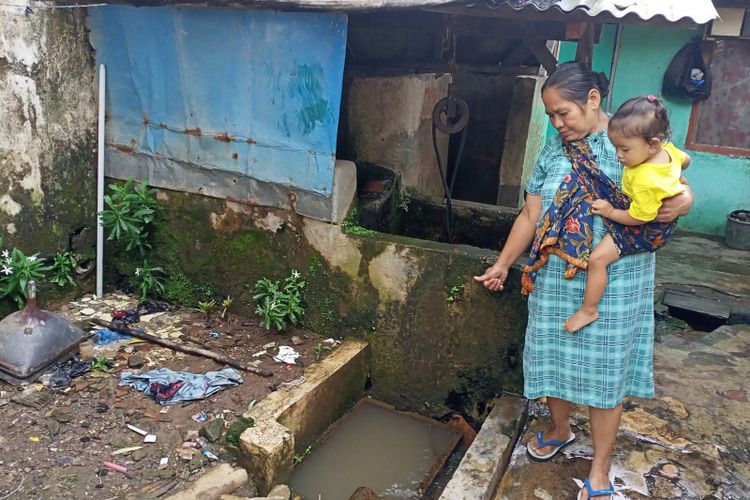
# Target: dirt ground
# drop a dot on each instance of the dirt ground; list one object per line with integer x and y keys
{"x": 54, "y": 441}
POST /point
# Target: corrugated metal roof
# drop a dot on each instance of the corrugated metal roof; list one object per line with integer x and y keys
{"x": 700, "y": 11}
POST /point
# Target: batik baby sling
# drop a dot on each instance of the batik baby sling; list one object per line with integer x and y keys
{"x": 566, "y": 229}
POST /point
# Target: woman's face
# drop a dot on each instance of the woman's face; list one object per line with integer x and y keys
{"x": 572, "y": 120}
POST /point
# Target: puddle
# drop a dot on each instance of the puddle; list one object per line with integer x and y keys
{"x": 395, "y": 454}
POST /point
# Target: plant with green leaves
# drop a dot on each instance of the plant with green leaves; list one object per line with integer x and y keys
{"x": 207, "y": 308}
{"x": 99, "y": 364}
{"x": 16, "y": 270}
{"x": 149, "y": 280}
{"x": 131, "y": 213}
{"x": 63, "y": 264}
{"x": 278, "y": 305}
{"x": 320, "y": 347}
{"x": 226, "y": 304}
{"x": 454, "y": 294}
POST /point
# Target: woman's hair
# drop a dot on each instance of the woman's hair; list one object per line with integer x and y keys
{"x": 574, "y": 81}
{"x": 645, "y": 117}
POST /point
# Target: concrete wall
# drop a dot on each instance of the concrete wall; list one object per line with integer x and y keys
{"x": 429, "y": 353}
{"x": 721, "y": 183}
{"x": 47, "y": 131}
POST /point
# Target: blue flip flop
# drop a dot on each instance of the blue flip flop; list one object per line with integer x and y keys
{"x": 558, "y": 444}
{"x": 609, "y": 492}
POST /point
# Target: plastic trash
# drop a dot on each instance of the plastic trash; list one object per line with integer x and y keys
{"x": 62, "y": 373}
{"x": 107, "y": 336}
{"x": 286, "y": 355}
{"x": 200, "y": 417}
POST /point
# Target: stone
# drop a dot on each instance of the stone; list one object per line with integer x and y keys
{"x": 87, "y": 311}
{"x": 53, "y": 426}
{"x": 86, "y": 350}
{"x": 670, "y": 471}
{"x": 217, "y": 481}
{"x": 136, "y": 360}
{"x": 197, "y": 462}
{"x": 297, "y": 340}
{"x": 139, "y": 455}
{"x": 280, "y": 492}
{"x": 61, "y": 416}
{"x": 364, "y": 493}
{"x": 213, "y": 429}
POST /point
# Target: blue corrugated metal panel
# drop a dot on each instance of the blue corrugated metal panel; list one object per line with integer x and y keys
{"x": 244, "y": 91}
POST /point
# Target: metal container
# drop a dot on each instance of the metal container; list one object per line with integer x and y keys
{"x": 738, "y": 230}
{"x": 33, "y": 339}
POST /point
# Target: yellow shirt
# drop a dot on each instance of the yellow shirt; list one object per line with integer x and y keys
{"x": 648, "y": 184}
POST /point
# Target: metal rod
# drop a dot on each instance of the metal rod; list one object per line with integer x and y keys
{"x": 100, "y": 188}
{"x": 613, "y": 70}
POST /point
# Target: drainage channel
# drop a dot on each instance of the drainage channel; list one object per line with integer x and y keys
{"x": 395, "y": 454}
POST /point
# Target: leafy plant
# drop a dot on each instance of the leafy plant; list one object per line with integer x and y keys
{"x": 278, "y": 305}
{"x": 131, "y": 213}
{"x": 15, "y": 272}
{"x": 179, "y": 288}
{"x": 319, "y": 348}
{"x": 99, "y": 364}
{"x": 454, "y": 294}
{"x": 226, "y": 304}
{"x": 299, "y": 457}
{"x": 207, "y": 308}
{"x": 350, "y": 224}
{"x": 147, "y": 279}
{"x": 62, "y": 267}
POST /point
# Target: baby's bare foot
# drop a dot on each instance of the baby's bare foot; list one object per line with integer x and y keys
{"x": 580, "y": 319}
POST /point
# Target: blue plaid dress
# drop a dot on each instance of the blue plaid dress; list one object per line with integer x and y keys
{"x": 613, "y": 357}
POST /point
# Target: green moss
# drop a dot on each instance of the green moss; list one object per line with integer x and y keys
{"x": 237, "y": 428}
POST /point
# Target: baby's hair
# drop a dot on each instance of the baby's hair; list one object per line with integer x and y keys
{"x": 645, "y": 117}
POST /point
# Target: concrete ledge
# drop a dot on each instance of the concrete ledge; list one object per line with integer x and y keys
{"x": 294, "y": 417}
{"x": 480, "y": 470}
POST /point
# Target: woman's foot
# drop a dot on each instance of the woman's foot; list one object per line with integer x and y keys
{"x": 547, "y": 436}
{"x": 581, "y": 318}
{"x": 598, "y": 481}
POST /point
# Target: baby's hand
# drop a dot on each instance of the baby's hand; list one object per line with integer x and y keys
{"x": 602, "y": 208}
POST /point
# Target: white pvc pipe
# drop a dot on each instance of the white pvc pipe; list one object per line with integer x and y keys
{"x": 100, "y": 189}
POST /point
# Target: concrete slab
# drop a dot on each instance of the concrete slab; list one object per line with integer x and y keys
{"x": 295, "y": 416}
{"x": 691, "y": 441}
{"x": 481, "y": 468}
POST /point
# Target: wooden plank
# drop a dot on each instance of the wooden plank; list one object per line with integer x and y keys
{"x": 542, "y": 54}
{"x": 697, "y": 304}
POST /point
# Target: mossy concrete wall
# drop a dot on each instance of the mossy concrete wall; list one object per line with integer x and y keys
{"x": 439, "y": 341}
{"x": 47, "y": 133}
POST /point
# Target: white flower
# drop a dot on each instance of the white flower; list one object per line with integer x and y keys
{"x": 7, "y": 270}
{"x": 6, "y": 255}
{"x": 295, "y": 273}
{"x": 31, "y": 258}
{"x": 137, "y": 271}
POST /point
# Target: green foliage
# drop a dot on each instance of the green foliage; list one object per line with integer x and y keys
{"x": 350, "y": 224}
{"x": 131, "y": 213}
{"x": 63, "y": 264}
{"x": 15, "y": 272}
{"x": 278, "y": 305}
{"x": 99, "y": 364}
{"x": 226, "y": 304}
{"x": 207, "y": 308}
{"x": 454, "y": 294}
{"x": 299, "y": 457}
{"x": 149, "y": 280}
{"x": 237, "y": 428}
{"x": 320, "y": 347}
{"x": 179, "y": 288}
{"x": 404, "y": 199}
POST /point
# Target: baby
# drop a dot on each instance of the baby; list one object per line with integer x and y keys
{"x": 653, "y": 167}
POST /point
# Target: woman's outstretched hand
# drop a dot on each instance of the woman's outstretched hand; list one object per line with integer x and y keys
{"x": 494, "y": 277}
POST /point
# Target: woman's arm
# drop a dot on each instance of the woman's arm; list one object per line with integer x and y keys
{"x": 521, "y": 236}
{"x": 677, "y": 205}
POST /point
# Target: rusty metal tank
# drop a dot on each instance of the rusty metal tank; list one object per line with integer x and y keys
{"x": 32, "y": 339}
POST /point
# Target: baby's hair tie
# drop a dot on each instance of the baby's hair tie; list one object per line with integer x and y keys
{"x": 651, "y": 98}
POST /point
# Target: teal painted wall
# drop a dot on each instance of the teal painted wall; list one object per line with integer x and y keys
{"x": 721, "y": 183}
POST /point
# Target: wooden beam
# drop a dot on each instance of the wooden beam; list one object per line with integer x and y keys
{"x": 542, "y": 54}
{"x": 585, "y": 50}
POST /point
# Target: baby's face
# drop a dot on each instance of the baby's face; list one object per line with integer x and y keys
{"x": 631, "y": 151}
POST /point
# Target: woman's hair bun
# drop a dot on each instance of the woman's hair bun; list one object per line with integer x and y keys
{"x": 603, "y": 83}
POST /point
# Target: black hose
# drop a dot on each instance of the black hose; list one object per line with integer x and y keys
{"x": 457, "y": 111}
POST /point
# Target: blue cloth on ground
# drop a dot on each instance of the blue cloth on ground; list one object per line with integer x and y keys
{"x": 193, "y": 386}
{"x": 107, "y": 336}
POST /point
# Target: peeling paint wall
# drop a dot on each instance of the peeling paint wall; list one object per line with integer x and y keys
{"x": 47, "y": 130}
